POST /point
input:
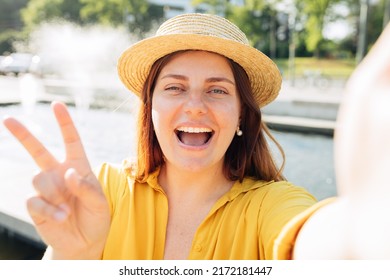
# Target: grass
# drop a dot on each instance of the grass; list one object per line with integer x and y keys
{"x": 333, "y": 68}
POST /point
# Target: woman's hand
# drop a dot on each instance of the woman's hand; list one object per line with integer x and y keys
{"x": 70, "y": 211}
{"x": 357, "y": 224}
{"x": 362, "y": 153}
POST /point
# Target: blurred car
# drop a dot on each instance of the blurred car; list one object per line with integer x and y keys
{"x": 17, "y": 63}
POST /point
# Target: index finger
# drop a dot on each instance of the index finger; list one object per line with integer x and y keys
{"x": 73, "y": 145}
{"x": 42, "y": 157}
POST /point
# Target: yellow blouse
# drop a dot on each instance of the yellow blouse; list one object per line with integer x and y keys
{"x": 254, "y": 220}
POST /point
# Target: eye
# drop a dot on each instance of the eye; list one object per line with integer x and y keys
{"x": 218, "y": 91}
{"x": 174, "y": 89}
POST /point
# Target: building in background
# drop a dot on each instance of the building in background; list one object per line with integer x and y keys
{"x": 176, "y": 7}
{"x": 173, "y": 8}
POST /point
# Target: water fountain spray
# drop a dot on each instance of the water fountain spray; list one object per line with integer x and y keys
{"x": 80, "y": 62}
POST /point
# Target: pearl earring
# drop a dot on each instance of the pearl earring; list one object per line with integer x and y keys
{"x": 238, "y": 131}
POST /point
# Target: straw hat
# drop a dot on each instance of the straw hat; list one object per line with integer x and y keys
{"x": 201, "y": 32}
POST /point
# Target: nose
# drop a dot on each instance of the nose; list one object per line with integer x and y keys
{"x": 195, "y": 103}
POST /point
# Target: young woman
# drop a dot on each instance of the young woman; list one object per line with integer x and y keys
{"x": 205, "y": 185}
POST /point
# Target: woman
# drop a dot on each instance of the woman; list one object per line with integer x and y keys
{"x": 205, "y": 185}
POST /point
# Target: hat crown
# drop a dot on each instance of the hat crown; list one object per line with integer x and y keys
{"x": 202, "y": 24}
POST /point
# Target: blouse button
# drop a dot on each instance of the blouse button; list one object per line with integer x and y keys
{"x": 198, "y": 248}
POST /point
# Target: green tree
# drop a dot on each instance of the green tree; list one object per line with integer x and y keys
{"x": 315, "y": 12}
{"x": 252, "y": 17}
{"x": 10, "y": 23}
{"x": 138, "y": 15}
{"x": 255, "y": 24}
{"x": 38, "y": 11}
{"x": 7, "y": 40}
{"x": 376, "y": 14}
{"x": 266, "y": 26}
{"x": 9, "y": 14}
{"x": 258, "y": 19}
{"x": 375, "y": 22}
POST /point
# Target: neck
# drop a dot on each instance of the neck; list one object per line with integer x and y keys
{"x": 203, "y": 186}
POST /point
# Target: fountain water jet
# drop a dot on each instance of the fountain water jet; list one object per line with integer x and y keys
{"x": 30, "y": 88}
{"x": 81, "y": 61}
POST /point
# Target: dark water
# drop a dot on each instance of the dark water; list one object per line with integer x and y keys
{"x": 16, "y": 248}
{"x": 309, "y": 160}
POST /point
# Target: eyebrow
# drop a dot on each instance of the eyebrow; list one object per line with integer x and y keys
{"x": 209, "y": 80}
{"x": 220, "y": 79}
{"x": 175, "y": 76}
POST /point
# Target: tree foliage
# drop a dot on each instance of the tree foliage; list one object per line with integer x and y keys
{"x": 376, "y": 13}
{"x": 38, "y": 11}
{"x": 315, "y": 12}
{"x": 10, "y": 23}
{"x": 9, "y": 14}
{"x": 255, "y": 24}
{"x": 259, "y": 19}
{"x": 137, "y": 15}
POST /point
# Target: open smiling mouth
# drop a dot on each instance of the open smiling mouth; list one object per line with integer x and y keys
{"x": 194, "y": 136}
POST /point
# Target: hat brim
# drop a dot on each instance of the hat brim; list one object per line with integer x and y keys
{"x": 135, "y": 62}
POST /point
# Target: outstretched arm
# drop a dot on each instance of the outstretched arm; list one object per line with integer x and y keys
{"x": 357, "y": 224}
{"x": 69, "y": 210}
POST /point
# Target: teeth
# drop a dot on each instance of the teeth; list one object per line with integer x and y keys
{"x": 194, "y": 129}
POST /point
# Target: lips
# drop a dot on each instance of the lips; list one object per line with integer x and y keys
{"x": 194, "y": 136}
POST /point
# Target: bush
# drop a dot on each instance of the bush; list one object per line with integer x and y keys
{"x": 7, "y": 40}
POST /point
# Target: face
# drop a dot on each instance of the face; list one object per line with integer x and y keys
{"x": 195, "y": 110}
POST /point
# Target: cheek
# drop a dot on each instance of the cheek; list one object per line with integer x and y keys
{"x": 229, "y": 116}
{"x": 157, "y": 119}
{"x": 160, "y": 116}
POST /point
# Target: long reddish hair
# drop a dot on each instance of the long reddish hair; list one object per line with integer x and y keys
{"x": 247, "y": 156}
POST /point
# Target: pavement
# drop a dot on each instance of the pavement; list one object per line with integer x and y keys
{"x": 298, "y": 108}
{"x": 305, "y": 108}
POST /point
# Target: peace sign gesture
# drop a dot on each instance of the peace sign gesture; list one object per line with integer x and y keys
{"x": 70, "y": 211}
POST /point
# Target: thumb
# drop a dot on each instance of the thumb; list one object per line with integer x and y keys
{"x": 87, "y": 189}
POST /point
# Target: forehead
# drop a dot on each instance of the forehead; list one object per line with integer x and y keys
{"x": 191, "y": 60}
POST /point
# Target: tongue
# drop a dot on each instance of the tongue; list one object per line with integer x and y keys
{"x": 193, "y": 139}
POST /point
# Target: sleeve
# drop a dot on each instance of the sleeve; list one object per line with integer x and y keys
{"x": 284, "y": 243}
{"x": 284, "y": 209}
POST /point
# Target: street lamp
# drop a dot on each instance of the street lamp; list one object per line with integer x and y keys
{"x": 386, "y": 15}
{"x": 362, "y": 36}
